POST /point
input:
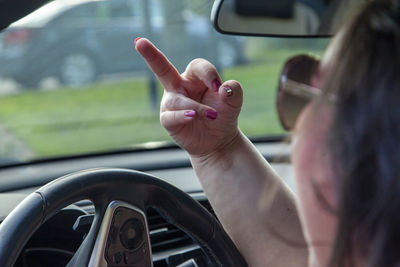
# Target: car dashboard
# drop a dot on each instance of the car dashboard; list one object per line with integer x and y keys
{"x": 54, "y": 243}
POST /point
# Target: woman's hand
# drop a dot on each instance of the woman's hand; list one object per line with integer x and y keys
{"x": 202, "y": 117}
{"x": 199, "y": 113}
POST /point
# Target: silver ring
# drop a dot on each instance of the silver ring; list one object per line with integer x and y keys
{"x": 229, "y": 91}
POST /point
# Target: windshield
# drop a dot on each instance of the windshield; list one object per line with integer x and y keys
{"x": 72, "y": 83}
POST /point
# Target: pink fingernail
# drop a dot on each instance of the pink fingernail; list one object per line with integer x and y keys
{"x": 211, "y": 114}
{"x": 190, "y": 113}
{"x": 137, "y": 39}
{"x": 216, "y": 84}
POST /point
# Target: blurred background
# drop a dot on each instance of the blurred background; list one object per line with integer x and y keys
{"x": 72, "y": 83}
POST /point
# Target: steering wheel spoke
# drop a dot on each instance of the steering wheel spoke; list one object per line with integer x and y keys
{"x": 123, "y": 237}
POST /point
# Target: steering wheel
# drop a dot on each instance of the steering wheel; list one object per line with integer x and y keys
{"x": 120, "y": 198}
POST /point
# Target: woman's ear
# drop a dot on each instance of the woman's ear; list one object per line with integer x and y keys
{"x": 325, "y": 194}
{"x": 323, "y": 180}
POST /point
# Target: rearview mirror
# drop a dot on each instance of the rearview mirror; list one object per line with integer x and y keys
{"x": 293, "y": 18}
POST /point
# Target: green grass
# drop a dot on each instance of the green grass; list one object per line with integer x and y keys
{"x": 94, "y": 118}
{"x": 118, "y": 114}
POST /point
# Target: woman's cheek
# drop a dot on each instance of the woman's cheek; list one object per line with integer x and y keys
{"x": 314, "y": 178}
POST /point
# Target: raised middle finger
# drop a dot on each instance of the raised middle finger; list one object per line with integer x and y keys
{"x": 165, "y": 72}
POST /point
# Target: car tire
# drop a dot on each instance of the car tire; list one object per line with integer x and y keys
{"x": 77, "y": 68}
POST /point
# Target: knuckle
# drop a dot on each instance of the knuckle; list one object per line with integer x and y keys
{"x": 173, "y": 102}
{"x": 196, "y": 62}
{"x": 210, "y": 71}
{"x": 163, "y": 118}
{"x": 164, "y": 70}
{"x": 201, "y": 63}
{"x": 164, "y": 100}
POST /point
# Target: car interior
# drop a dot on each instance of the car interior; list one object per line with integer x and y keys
{"x": 128, "y": 195}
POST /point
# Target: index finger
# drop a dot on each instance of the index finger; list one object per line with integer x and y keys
{"x": 165, "y": 72}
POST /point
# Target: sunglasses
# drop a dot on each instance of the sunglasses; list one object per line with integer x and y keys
{"x": 294, "y": 89}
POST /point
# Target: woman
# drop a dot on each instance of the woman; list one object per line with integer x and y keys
{"x": 344, "y": 152}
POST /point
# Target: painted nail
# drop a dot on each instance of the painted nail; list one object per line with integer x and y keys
{"x": 216, "y": 84}
{"x": 190, "y": 113}
{"x": 137, "y": 39}
{"x": 211, "y": 114}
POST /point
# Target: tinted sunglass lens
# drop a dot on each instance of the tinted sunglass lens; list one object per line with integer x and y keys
{"x": 299, "y": 69}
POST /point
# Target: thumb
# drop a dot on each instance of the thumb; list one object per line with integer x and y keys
{"x": 231, "y": 94}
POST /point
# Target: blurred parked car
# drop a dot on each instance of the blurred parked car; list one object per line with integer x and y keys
{"x": 49, "y": 34}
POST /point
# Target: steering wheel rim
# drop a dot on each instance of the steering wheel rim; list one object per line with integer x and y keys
{"x": 136, "y": 188}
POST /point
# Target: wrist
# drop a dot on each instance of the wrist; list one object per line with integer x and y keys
{"x": 222, "y": 155}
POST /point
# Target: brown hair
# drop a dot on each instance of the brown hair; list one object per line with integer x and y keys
{"x": 365, "y": 137}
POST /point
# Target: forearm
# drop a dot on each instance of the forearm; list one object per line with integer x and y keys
{"x": 254, "y": 205}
